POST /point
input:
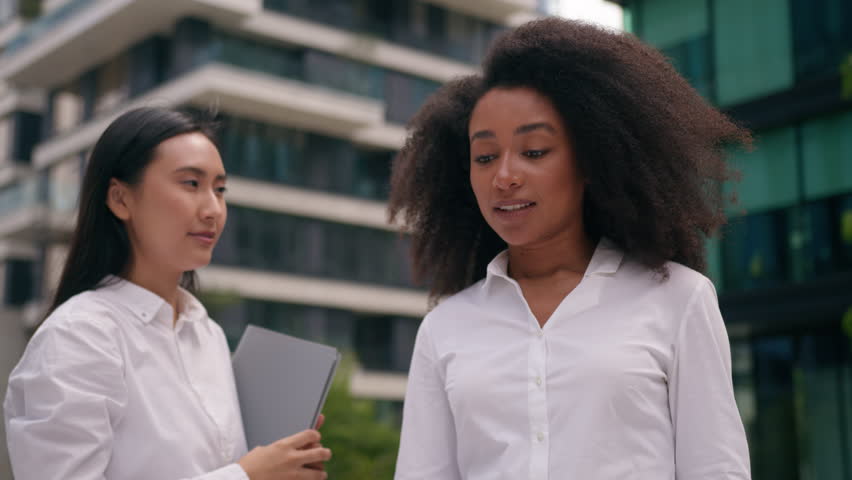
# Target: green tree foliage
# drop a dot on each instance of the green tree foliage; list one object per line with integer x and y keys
{"x": 363, "y": 447}
{"x": 29, "y": 9}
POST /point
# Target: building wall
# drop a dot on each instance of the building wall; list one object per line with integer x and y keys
{"x": 784, "y": 264}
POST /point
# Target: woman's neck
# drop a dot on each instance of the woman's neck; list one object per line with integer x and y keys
{"x": 569, "y": 252}
{"x": 163, "y": 284}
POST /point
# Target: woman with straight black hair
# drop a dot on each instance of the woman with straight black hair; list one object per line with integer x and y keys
{"x": 127, "y": 377}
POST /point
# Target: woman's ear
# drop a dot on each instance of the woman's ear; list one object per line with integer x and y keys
{"x": 118, "y": 196}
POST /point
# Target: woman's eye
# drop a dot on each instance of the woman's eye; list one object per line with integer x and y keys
{"x": 484, "y": 158}
{"x": 191, "y": 183}
{"x": 221, "y": 190}
{"x": 535, "y": 153}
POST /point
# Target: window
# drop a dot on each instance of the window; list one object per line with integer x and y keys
{"x": 113, "y": 87}
{"x": 67, "y": 109}
{"x": 799, "y": 412}
{"x": 752, "y": 41}
{"x": 822, "y": 36}
{"x": 147, "y": 65}
{"x": 404, "y": 94}
{"x": 755, "y": 251}
{"x": 692, "y": 58}
{"x": 27, "y": 134}
{"x": 413, "y": 23}
{"x": 789, "y": 245}
{"x": 827, "y": 151}
{"x": 278, "y": 154}
{"x": 769, "y": 172}
{"x": 278, "y": 242}
{"x": 19, "y": 282}
{"x": 64, "y": 185}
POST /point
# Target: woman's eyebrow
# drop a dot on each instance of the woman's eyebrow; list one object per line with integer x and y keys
{"x": 200, "y": 172}
{"x": 535, "y": 126}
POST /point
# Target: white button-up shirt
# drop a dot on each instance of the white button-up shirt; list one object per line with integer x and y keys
{"x": 629, "y": 379}
{"x": 109, "y": 388}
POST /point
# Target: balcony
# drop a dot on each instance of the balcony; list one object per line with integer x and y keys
{"x": 507, "y": 12}
{"x": 26, "y": 216}
{"x": 302, "y": 290}
{"x": 253, "y": 95}
{"x": 65, "y": 42}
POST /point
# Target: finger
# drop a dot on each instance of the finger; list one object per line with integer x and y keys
{"x": 313, "y": 445}
{"x": 309, "y": 475}
{"x": 316, "y": 466}
{"x": 320, "y": 421}
{"x": 300, "y": 440}
{"x": 314, "y": 455}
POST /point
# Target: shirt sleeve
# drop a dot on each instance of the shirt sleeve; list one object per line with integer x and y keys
{"x": 64, "y": 399}
{"x": 228, "y": 472}
{"x": 710, "y": 442}
{"x": 428, "y": 440}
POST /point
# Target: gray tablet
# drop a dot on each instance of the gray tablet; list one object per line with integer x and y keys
{"x": 282, "y": 382}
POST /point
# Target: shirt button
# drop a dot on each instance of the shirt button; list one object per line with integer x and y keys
{"x": 540, "y": 334}
{"x": 538, "y": 381}
{"x": 540, "y": 436}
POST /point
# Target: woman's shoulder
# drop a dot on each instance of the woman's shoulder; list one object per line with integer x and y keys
{"x": 672, "y": 275}
{"x": 452, "y": 305}
{"x": 454, "y": 315}
{"x": 85, "y": 316}
{"x": 82, "y": 334}
{"x": 87, "y": 307}
{"x": 674, "y": 284}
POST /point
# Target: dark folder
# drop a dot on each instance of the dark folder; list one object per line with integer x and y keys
{"x": 282, "y": 382}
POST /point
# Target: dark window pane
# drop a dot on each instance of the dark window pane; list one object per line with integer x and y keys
{"x": 278, "y": 242}
{"x": 693, "y": 60}
{"x": 822, "y": 36}
{"x": 754, "y": 251}
{"x": 19, "y": 282}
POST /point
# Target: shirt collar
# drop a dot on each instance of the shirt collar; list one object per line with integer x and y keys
{"x": 605, "y": 261}
{"x": 147, "y": 305}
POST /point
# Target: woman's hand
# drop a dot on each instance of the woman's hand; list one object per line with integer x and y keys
{"x": 317, "y": 465}
{"x": 287, "y": 459}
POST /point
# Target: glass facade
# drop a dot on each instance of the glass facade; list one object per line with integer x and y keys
{"x": 413, "y": 23}
{"x": 827, "y": 155}
{"x": 822, "y": 33}
{"x": 276, "y": 154}
{"x": 795, "y": 393}
{"x": 270, "y": 241}
{"x": 788, "y": 245}
{"x": 784, "y": 265}
{"x": 752, "y": 57}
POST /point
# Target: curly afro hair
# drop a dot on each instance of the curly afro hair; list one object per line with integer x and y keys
{"x": 653, "y": 151}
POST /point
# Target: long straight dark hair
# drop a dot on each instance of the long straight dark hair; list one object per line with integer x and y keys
{"x": 100, "y": 245}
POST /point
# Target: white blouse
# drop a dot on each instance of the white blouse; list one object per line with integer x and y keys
{"x": 108, "y": 388}
{"x": 630, "y": 379}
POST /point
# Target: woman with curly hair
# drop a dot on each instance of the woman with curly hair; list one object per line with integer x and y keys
{"x": 558, "y": 205}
